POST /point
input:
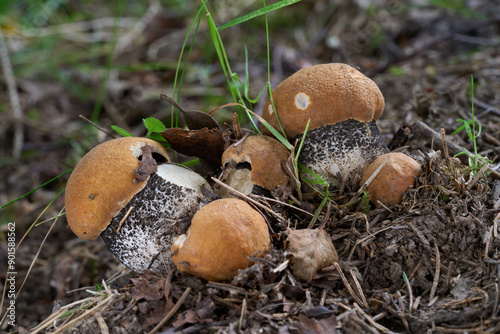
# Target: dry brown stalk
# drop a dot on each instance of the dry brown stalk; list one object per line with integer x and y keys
{"x": 172, "y": 311}
{"x": 347, "y": 284}
{"x": 436, "y": 274}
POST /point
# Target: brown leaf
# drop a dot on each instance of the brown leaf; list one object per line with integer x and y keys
{"x": 307, "y": 325}
{"x": 148, "y": 287}
{"x": 206, "y": 144}
{"x": 310, "y": 250}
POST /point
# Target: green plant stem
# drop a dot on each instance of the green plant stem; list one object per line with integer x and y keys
{"x": 473, "y": 119}
{"x": 109, "y": 61}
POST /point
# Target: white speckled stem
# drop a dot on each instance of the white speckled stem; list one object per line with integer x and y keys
{"x": 345, "y": 148}
{"x": 161, "y": 212}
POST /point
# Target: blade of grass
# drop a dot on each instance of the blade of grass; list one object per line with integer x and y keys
{"x": 258, "y": 12}
{"x": 41, "y": 186}
{"x": 324, "y": 202}
{"x": 40, "y": 216}
{"x": 121, "y": 132}
{"x": 275, "y": 133}
{"x": 231, "y": 78}
{"x": 109, "y": 62}
{"x": 246, "y": 86}
{"x": 174, "y": 121}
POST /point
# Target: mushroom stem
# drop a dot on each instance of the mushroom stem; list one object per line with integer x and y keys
{"x": 343, "y": 149}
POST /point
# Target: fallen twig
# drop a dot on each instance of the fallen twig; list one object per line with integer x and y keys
{"x": 172, "y": 311}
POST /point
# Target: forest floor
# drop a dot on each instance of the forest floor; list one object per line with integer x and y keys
{"x": 428, "y": 265}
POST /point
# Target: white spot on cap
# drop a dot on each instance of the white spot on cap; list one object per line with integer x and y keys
{"x": 270, "y": 109}
{"x": 302, "y": 100}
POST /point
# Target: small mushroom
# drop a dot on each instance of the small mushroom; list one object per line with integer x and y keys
{"x": 255, "y": 165}
{"x": 222, "y": 236}
{"x": 393, "y": 180}
{"x": 126, "y": 191}
{"x": 342, "y": 105}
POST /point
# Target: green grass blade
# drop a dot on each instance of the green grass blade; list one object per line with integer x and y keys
{"x": 174, "y": 121}
{"x": 43, "y": 185}
{"x": 319, "y": 209}
{"x": 121, "y": 132}
{"x": 191, "y": 163}
{"x": 231, "y": 78}
{"x": 109, "y": 62}
{"x": 301, "y": 143}
{"x": 258, "y": 12}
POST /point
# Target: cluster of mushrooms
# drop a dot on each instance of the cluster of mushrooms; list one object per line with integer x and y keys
{"x": 150, "y": 211}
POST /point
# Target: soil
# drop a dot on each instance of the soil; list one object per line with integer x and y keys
{"x": 430, "y": 264}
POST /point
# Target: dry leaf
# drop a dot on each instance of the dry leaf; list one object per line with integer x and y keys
{"x": 148, "y": 287}
{"x": 310, "y": 250}
{"x": 206, "y": 144}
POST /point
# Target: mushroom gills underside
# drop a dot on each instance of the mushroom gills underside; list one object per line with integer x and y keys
{"x": 343, "y": 149}
{"x": 141, "y": 234}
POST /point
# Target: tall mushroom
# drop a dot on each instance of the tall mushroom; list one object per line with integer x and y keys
{"x": 126, "y": 191}
{"x": 342, "y": 105}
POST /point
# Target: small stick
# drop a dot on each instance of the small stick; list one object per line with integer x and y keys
{"x": 102, "y": 323}
{"x": 97, "y": 126}
{"x": 327, "y": 216}
{"x": 243, "y": 320}
{"x": 239, "y": 142}
{"x": 173, "y": 102}
{"x": 172, "y": 311}
{"x": 236, "y": 127}
{"x": 124, "y": 218}
{"x": 358, "y": 286}
{"x": 495, "y": 305}
{"x": 423, "y": 131}
{"x": 283, "y": 203}
{"x": 367, "y": 183}
{"x": 436, "y": 275}
{"x": 15, "y": 102}
{"x": 371, "y": 321}
{"x": 445, "y": 146}
{"x": 346, "y": 283}
{"x": 240, "y": 194}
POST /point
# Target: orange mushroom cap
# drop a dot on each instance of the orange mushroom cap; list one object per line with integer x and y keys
{"x": 325, "y": 94}
{"x": 222, "y": 235}
{"x": 265, "y": 156}
{"x": 393, "y": 180}
{"x": 103, "y": 182}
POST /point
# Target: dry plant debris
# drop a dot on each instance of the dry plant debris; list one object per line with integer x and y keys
{"x": 443, "y": 235}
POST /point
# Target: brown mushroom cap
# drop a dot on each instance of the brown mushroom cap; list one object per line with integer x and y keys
{"x": 394, "y": 178}
{"x": 222, "y": 235}
{"x": 265, "y": 155}
{"x": 103, "y": 182}
{"x": 325, "y": 94}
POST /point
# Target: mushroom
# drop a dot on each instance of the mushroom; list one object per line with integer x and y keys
{"x": 222, "y": 236}
{"x": 342, "y": 105}
{"x": 126, "y": 191}
{"x": 393, "y": 180}
{"x": 255, "y": 165}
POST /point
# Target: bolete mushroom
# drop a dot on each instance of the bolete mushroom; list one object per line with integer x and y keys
{"x": 393, "y": 180}
{"x": 222, "y": 236}
{"x": 126, "y": 191}
{"x": 342, "y": 105}
{"x": 255, "y": 165}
